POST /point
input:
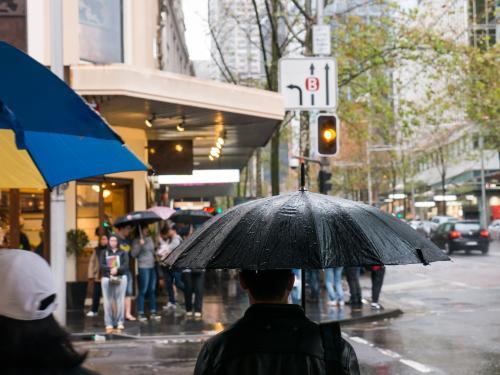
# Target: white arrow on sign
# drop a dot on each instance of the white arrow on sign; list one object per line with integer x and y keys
{"x": 308, "y": 83}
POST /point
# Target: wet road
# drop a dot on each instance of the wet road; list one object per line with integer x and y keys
{"x": 451, "y": 325}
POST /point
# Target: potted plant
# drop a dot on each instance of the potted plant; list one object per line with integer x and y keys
{"x": 76, "y": 291}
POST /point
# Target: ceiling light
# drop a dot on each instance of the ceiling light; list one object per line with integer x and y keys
{"x": 96, "y": 188}
{"x": 179, "y": 148}
{"x": 219, "y": 146}
{"x": 220, "y": 140}
{"x": 211, "y": 157}
{"x": 180, "y": 128}
{"x": 148, "y": 123}
{"x": 106, "y": 193}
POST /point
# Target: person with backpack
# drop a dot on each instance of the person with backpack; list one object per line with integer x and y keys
{"x": 274, "y": 337}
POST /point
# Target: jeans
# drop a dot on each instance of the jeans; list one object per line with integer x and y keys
{"x": 147, "y": 286}
{"x": 193, "y": 285}
{"x": 377, "y": 281}
{"x": 171, "y": 276}
{"x": 297, "y": 287}
{"x": 312, "y": 278}
{"x": 333, "y": 278}
{"x": 96, "y": 296}
{"x": 114, "y": 292}
{"x": 352, "y": 275}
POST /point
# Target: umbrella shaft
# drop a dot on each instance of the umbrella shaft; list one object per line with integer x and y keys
{"x": 303, "y": 289}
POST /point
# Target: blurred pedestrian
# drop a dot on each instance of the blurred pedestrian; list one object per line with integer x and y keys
{"x": 274, "y": 337}
{"x": 168, "y": 241}
{"x": 194, "y": 281}
{"x": 296, "y": 293}
{"x": 312, "y": 279}
{"x": 125, "y": 244}
{"x": 94, "y": 274}
{"x": 143, "y": 248}
{"x": 114, "y": 266}
{"x": 377, "y": 276}
{"x": 333, "y": 281}
{"x": 352, "y": 275}
{"x": 31, "y": 341}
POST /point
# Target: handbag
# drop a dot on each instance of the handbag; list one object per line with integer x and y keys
{"x": 115, "y": 280}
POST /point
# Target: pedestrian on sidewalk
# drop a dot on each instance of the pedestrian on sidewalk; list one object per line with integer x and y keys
{"x": 333, "y": 281}
{"x": 114, "y": 266}
{"x": 249, "y": 346}
{"x": 194, "y": 281}
{"x": 312, "y": 279}
{"x": 125, "y": 244}
{"x": 31, "y": 340}
{"x": 143, "y": 249}
{"x": 94, "y": 275}
{"x": 377, "y": 276}
{"x": 168, "y": 241}
{"x": 352, "y": 275}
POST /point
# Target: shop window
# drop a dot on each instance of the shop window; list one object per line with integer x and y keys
{"x": 101, "y": 31}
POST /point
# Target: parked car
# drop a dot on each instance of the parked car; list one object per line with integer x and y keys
{"x": 462, "y": 235}
{"x": 438, "y": 220}
{"x": 494, "y": 229}
{"x": 421, "y": 226}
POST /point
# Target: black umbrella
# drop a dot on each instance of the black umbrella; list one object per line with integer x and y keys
{"x": 137, "y": 218}
{"x": 303, "y": 230}
{"x": 191, "y": 217}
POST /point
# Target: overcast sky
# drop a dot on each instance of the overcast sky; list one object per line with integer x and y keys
{"x": 197, "y": 38}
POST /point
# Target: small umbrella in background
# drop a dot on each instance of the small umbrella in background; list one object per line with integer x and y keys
{"x": 303, "y": 230}
{"x": 162, "y": 211}
{"x": 137, "y": 218}
{"x": 191, "y": 217}
{"x": 48, "y": 134}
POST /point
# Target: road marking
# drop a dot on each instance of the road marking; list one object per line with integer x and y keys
{"x": 415, "y": 365}
{"x": 391, "y": 354}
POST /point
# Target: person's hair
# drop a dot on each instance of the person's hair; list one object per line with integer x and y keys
{"x": 266, "y": 285}
{"x": 40, "y": 344}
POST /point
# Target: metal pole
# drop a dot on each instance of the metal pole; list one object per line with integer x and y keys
{"x": 57, "y": 202}
{"x": 369, "y": 163}
{"x": 319, "y": 12}
{"x": 484, "y": 210}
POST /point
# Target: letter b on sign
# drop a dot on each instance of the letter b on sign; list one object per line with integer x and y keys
{"x": 312, "y": 84}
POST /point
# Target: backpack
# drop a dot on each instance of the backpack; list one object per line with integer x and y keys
{"x": 340, "y": 357}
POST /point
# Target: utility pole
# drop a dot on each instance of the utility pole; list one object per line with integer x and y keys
{"x": 57, "y": 199}
{"x": 484, "y": 209}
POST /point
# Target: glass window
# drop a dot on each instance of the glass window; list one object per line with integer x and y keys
{"x": 87, "y": 208}
{"x": 465, "y": 227}
{"x": 101, "y": 31}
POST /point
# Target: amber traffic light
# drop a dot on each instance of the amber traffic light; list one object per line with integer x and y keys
{"x": 328, "y": 135}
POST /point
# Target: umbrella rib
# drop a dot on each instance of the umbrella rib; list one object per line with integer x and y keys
{"x": 315, "y": 226}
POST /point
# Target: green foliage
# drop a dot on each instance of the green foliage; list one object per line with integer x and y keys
{"x": 76, "y": 241}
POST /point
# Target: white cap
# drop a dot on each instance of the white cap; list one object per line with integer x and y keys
{"x": 25, "y": 281}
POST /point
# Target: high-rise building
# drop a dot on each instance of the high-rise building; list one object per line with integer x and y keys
{"x": 235, "y": 41}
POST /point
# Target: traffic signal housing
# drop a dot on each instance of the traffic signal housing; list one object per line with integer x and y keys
{"x": 328, "y": 135}
{"x": 324, "y": 179}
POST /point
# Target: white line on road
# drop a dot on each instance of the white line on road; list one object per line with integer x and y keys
{"x": 415, "y": 365}
{"x": 389, "y": 353}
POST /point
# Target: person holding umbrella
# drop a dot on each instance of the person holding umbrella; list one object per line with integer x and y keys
{"x": 143, "y": 249}
{"x": 250, "y": 345}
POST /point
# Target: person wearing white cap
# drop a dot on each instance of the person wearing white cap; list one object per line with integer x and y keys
{"x": 31, "y": 340}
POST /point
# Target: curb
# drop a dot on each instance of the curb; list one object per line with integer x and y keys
{"x": 382, "y": 315}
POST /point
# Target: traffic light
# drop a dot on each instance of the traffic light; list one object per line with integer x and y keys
{"x": 324, "y": 179}
{"x": 328, "y": 135}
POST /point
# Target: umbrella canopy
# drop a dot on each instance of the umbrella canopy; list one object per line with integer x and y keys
{"x": 162, "y": 211}
{"x": 137, "y": 218}
{"x": 48, "y": 134}
{"x": 194, "y": 217}
{"x": 303, "y": 230}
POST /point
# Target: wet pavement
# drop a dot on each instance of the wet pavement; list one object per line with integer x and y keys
{"x": 450, "y": 325}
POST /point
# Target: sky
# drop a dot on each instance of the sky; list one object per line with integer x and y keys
{"x": 197, "y": 38}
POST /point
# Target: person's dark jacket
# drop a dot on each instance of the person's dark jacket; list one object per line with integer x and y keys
{"x": 122, "y": 270}
{"x": 269, "y": 339}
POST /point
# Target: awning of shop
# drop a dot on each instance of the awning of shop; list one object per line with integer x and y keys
{"x": 127, "y": 96}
